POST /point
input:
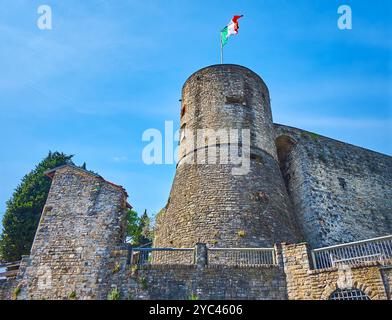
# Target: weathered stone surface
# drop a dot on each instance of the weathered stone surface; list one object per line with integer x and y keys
{"x": 7, "y": 288}
{"x": 292, "y": 278}
{"x": 301, "y": 186}
{"x": 386, "y": 273}
{"x": 181, "y": 282}
{"x": 304, "y": 283}
{"x": 341, "y": 193}
{"x": 207, "y": 202}
{"x": 81, "y": 222}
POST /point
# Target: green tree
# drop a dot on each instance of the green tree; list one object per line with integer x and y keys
{"x": 132, "y": 230}
{"x": 139, "y": 230}
{"x": 24, "y": 209}
{"x": 146, "y": 234}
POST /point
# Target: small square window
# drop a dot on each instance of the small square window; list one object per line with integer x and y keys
{"x": 235, "y": 100}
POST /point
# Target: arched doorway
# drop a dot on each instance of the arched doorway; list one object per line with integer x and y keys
{"x": 284, "y": 146}
{"x": 349, "y": 294}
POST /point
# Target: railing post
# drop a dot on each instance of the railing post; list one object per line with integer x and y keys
{"x": 313, "y": 259}
{"x": 277, "y": 258}
{"x": 201, "y": 254}
{"x": 130, "y": 252}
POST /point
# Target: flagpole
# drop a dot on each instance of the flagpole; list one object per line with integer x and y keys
{"x": 221, "y": 47}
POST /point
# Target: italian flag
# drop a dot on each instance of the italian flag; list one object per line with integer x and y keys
{"x": 230, "y": 29}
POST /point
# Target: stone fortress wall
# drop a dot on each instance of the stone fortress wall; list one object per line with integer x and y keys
{"x": 208, "y": 203}
{"x": 341, "y": 193}
{"x": 315, "y": 189}
{"x": 301, "y": 186}
{"x": 72, "y": 264}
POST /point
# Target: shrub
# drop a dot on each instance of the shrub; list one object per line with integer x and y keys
{"x": 114, "y": 294}
{"x": 116, "y": 268}
{"x": 241, "y": 233}
{"x": 16, "y": 293}
{"x": 144, "y": 283}
{"x": 193, "y": 296}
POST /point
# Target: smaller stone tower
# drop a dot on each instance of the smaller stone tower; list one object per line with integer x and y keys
{"x": 82, "y": 221}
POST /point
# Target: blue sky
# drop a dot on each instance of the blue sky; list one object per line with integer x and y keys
{"x": 108, "y": 70}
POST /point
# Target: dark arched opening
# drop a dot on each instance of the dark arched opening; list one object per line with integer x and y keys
{"x": 284, "y": 147}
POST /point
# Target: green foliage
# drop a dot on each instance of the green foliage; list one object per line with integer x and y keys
{"x": 132, "y": 230}
{"x": 72, "y": 295}
{"x": 16, "y": 293}
{"x": 139, "y": 230}
{"x": 24, "y": 209}
{"x": 116, "y": 268}
{"x": 312, "y": 135}
{"x": 114, "y": 294}
{"x": 146, "y": 233}
{"x": 241, "y": 233}
{"x": 193, "y": 296}
{"x": 133, "y": 269}
{"x": 144, "y": 283}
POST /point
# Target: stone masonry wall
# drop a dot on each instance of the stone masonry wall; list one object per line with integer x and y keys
{"x": 292, "y": 278}
{"x": 301, "y": 186}
{"x": 181, "y": 282}
{"x": 341, "y": 193}
{"x": 7, "y": 288}
{"x": 82, "y": 221}
{"x": 209, "y": 205}
{"x": 207, "y": 202}
{"x": 264, "y": 283}
{"x": 306, "y": 284}
{"x": 387, "y": 277}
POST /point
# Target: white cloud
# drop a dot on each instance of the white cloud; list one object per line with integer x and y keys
{"x": 120, "y": 159}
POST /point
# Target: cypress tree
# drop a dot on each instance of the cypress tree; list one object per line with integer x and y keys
{"x": 24, "y": 209}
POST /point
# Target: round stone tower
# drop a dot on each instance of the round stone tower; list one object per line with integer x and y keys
{"x": 241, "y": 202}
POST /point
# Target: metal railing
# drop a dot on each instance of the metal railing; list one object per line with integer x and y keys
{"x": 242, "y": 256}
{"x": 210, "y": 256}
{"x": 10, "y": 269}
{"x": 353, "y": 253}
{"x": 150, "y": 256}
